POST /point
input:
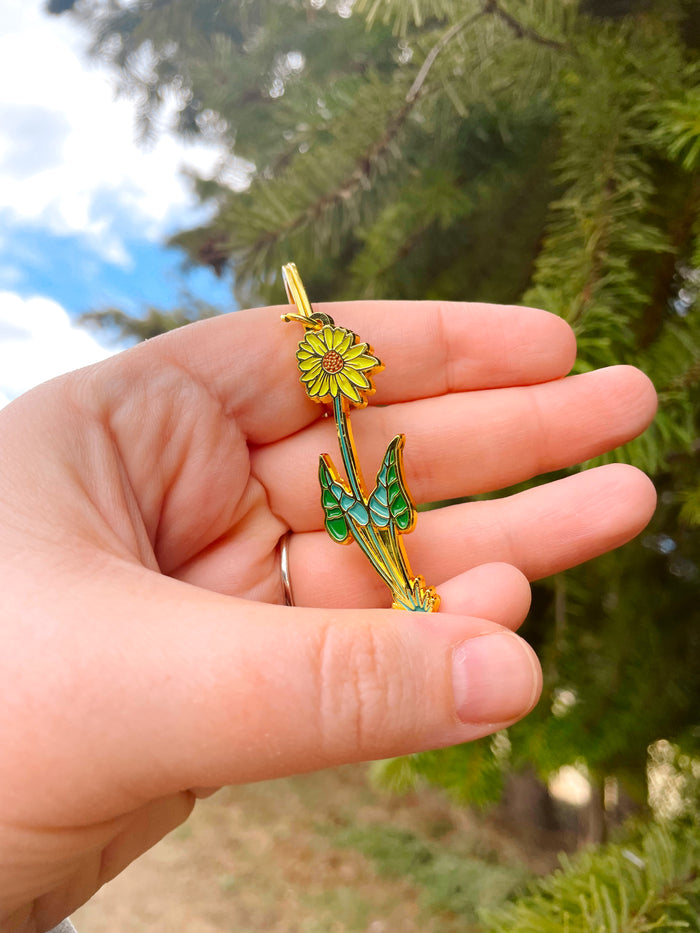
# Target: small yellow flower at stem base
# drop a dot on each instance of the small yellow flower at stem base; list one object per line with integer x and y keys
{"x": 333, "y": 364}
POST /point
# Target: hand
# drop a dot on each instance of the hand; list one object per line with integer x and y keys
{"x": 142, "y": 501}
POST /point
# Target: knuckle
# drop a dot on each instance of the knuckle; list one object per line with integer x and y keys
{"x": 360, "y": 689}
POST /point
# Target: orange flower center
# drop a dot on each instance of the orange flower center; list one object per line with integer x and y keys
{"x": 332, "y": 362}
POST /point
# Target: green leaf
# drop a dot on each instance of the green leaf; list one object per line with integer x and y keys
{"x": 390, "y": 500}
{"x": 338, "y": 504}
{"x": 336, "y": 523}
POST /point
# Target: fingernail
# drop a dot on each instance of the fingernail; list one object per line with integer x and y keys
{"x": 494, "y": 678}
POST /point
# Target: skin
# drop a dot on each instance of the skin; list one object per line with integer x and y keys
{"x": 146, "y": 654}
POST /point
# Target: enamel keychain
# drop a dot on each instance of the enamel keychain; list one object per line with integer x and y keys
{"x": 336, "y": 370}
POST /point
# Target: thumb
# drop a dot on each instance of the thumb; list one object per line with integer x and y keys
{"x": 191, "y": 688}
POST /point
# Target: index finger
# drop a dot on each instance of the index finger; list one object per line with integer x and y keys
{"x": 247, "y": 358}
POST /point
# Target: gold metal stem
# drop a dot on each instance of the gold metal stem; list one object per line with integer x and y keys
{"x": 296, "y": 293}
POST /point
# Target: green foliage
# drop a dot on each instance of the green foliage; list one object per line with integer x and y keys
{"x": 679, "y": 129}
{"x": 401, "y": 14}
{"x": 457, "y": 882}
{"x": 604, "y": 244}
{"x": 472, "y": 773}
{"x": 623, "y": 888}
{"x": 150, "y": 324}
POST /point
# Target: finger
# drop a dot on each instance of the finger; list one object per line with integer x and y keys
{"x": 205, "y": 689}
{"x": 106, "y": 851}
{"x": 499, "y": 592}
{"x": 142, "y": 831}
{"x": 540, "y": 531}
{"x": 468, "y": 443}
{"x": 247, "y": 359}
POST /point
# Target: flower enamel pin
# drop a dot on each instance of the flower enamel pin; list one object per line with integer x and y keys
{"x": 337, "y": 369}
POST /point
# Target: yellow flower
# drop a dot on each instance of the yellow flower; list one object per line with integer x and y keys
{"x": 332, "y": 364}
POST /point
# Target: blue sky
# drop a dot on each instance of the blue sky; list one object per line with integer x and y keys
{"x": 66, "y": 268}
{"x": 84, "y": 208}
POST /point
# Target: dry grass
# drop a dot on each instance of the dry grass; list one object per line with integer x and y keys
{"x": 323, "y": 853}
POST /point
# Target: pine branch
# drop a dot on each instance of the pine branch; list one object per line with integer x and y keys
{"x": 689, "y": 378}
{"x": 365, "y": 164}
{"x": 599, "y": 253}
{"x": 631, "y": 887}
{"x": 338, "y": 196}
{"x": 607, "y": 217}
{"x": 423, "y": 11}
{"x": 357, "y": 178}
{"x": 522, "y": 32}
{"x": 368, "y": 160}
{"x": 680, "y": 236}
{"x": 444, "y": 40}
{"x": 154, "y": 322}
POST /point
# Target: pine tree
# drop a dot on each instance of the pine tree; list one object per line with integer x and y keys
{"x": 622, "y": 888}
{"x": 532, "y": 151}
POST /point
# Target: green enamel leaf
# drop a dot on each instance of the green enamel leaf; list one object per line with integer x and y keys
{"x": 336, "y": 523}
{"x": 338, "y": 504}
{"x": 390, "y": 500}
{"x": 336, "y": 526}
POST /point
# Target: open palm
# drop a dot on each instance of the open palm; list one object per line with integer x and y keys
{"x": 146, "y": 650}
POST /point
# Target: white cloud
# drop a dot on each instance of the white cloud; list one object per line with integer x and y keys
{"x": 69, "y": 159}
{"x": 37, "y": 342}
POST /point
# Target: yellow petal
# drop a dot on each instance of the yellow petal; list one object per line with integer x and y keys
{"x": 359, "y": 350}
{"x": 365, "y": 362}
{"x": 309, "y": 384}
{"x": 340, "y": 336}
{"x": 358, "y": 379}
{"x": 320, "y": 385}
{"x": 347, "y": 388}
{"x": 327, "y": 336}
{"x": 313, "y": 373}
{"x": 307, "y": 366}
{"x": 316, "y": 343}
{"x": 314, "y": 385}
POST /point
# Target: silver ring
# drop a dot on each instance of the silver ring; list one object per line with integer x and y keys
{"x": 284, "y": 570}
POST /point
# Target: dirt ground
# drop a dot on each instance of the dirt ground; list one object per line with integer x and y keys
{"x": 325, "y": 853}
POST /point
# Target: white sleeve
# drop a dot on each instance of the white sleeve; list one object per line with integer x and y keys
{"x": 65, "y": 927}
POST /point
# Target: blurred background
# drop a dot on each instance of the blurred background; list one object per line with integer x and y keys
{"x": 160, "y": 160}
